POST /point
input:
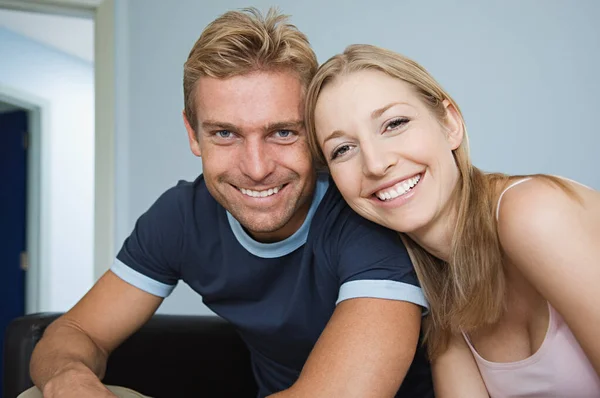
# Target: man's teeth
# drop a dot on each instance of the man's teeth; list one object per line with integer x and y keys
{"x": 399, "y": 189}
{"x": 261, "y": 194}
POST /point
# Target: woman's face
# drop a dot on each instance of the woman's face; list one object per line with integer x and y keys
{"x": 389, "y": 155}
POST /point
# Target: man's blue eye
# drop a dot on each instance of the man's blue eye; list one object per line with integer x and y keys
{"x": 224, "y": 134}
{"x": 284, "y": 133}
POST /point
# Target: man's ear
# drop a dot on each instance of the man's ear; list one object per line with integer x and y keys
{"x": 454, "y": 125}
{"x": 192, "y": 138}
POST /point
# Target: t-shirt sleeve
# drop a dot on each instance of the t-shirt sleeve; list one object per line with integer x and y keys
{"x": 373, "y": 262}
{"x": 149, "y": 257}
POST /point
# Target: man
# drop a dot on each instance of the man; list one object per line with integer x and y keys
{"x": 327, "y": 302}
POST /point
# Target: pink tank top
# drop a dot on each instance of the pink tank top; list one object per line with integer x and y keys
{"x": 559, "y": 368}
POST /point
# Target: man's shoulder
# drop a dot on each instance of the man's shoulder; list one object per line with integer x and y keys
{"x": 334, "y": 214}
{"x": 332, "y": 207}
{"x": 336, "y": 228}
{"x": 183, "y": 202}
{"x": 188, "y": 193}
{"x": 367, "y": 259}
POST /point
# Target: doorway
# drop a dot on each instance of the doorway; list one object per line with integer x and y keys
{"x": 63, "y": 92}
{"x": 14, "y": 138}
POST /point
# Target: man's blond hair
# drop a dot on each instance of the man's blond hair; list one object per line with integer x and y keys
{"x": 245, "y": 41}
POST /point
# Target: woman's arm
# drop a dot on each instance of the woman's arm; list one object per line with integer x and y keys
{"x": 455, "y": 373}
{"x": 554, "y": 240}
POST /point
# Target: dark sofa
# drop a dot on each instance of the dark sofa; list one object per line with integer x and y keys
{"x": 170, "y": 356}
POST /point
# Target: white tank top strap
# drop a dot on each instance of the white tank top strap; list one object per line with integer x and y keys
{"x": 527, "y": 179}
{"x": 514, "y": 184}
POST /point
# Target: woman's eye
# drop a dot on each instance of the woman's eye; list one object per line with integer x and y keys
{"x": 340, "y": 151}
{"x": 396, "y": 123}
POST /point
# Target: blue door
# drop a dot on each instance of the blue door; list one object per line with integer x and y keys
{"x": 13, "y": 161}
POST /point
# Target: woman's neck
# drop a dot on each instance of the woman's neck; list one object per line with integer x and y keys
{"x": 436, "y": 236}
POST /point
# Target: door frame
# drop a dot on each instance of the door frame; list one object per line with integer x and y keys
{"x": 37, "y": 283}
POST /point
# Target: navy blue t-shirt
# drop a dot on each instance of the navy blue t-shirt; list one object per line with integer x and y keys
{"x": 279, "y": 295}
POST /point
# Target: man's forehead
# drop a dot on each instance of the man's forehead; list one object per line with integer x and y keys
{"x": 260, "y": 101}
{"x": 242, "y": 112}
{"x": 253, "y": 80}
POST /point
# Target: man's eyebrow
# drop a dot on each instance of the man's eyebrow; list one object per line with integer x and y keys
{"x": 212, "y": 124}
{"x": 285, "y": 125}
{"x": 378, "y": 112}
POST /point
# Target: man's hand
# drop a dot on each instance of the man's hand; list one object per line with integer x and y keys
{"x": 75, "y": 382}
{"x": 70, "y": 359}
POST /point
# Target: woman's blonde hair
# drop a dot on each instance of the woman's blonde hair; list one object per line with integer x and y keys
{"x": 468, "y": 291}
{"x": 245, "y": 41}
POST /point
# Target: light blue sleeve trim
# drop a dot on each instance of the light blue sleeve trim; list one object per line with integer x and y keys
{"x": 141, "y": 281}
{"x": 384, "y": 289}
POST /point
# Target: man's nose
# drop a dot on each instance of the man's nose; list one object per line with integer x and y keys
{"x": 257, "y": 161}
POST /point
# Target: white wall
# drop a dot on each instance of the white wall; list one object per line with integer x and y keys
{"x": 523, "y": 72}
{"x": 74, "y": 36}
{"x": 66, "y": 85}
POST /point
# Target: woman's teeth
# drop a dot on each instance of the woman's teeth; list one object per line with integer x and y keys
{"x": 399, "y": 189}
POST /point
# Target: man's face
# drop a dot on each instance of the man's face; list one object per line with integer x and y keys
{"x": 255, "y": 158}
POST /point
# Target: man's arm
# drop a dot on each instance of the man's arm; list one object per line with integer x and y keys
{"x": 70, "y": 359}
{"x": 365, "y": 351}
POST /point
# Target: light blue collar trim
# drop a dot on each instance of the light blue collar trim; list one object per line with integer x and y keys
{"x": 286, "y": 246}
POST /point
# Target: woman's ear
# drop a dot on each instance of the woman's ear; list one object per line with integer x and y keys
{"x": 454, "y": 125}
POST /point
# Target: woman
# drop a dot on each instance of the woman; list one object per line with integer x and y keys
{"x": 509, "y": 264}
